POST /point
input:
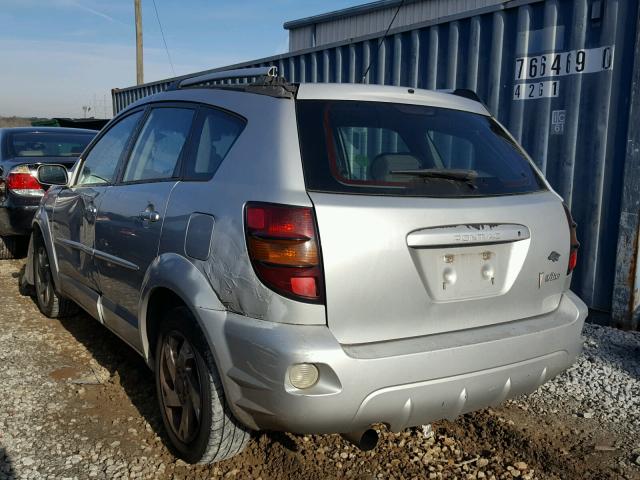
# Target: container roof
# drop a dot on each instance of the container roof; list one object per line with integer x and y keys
{"x": 345, "y": 12}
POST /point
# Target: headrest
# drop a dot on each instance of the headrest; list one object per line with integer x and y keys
{"x": 387, "y": 162}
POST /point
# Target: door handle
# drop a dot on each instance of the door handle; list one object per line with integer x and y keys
{"x": 150, "y": 215}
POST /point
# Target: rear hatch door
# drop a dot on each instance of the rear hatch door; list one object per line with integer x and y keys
{"x": 430, "y": 220}
{"x": 398, "y": 268}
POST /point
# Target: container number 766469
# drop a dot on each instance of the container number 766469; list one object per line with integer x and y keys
{"x": 564, "y": 63}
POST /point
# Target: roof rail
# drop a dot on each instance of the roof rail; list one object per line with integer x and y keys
{"x": 466, "y": 93}
{"x": 269, "y": 72}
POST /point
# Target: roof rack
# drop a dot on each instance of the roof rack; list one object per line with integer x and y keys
{"x": 267, "y": 82}
{"x": 268, "y": 72}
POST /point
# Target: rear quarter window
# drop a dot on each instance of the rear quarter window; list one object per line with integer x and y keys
{"x": 408, "y": 150}
{"x": 215, "y": 133}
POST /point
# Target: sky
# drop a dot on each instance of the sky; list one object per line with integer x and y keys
{"x": 57, "y": 56}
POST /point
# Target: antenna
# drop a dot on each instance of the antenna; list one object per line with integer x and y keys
{"x": 366, "y": 72}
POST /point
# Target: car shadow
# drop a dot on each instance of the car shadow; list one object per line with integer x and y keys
{"x": 129, "y": 370}
{"x": 283, "y": 439}
{"x": 6, "y": 466}
{"x": 125, "y": 366}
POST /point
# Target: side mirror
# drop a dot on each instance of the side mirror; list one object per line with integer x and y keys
{"x": 52, "y": 175}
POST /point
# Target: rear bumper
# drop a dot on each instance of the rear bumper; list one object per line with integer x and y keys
{"x": 401, "y": 383}
{"x": 15, "y": 219}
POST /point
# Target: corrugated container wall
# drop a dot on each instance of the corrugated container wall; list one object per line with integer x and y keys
{"x": 370, "y": 18}
{"x": 556, "y": 73}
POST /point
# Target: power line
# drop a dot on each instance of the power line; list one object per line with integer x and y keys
{"x": 364, "y": 76}
{"x": 163, "y": 39}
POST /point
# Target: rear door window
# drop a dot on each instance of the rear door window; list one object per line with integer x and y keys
{"x": 157, "y": 150}
{"x": 408, "y": 150}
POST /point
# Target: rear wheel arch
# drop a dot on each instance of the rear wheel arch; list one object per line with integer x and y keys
{"x": 172, "y": 276}
{"x": 161, "y": 300}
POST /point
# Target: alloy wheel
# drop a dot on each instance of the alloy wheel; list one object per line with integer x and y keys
{"x": 43, "y": 276}
{"x": 180, "y": 386}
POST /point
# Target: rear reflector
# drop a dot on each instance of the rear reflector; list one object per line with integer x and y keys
{"x": 21, "y": 182}
{"x": 282, "y": 242}
{"x": 573, "y": 260}
{"x": 573, "y": 239}
{"x": 304, "y": 286}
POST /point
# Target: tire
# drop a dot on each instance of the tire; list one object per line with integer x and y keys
{"x": 49, "y": 302}
{"x": 216, "y": 435}
{"x": 11, "y": 247}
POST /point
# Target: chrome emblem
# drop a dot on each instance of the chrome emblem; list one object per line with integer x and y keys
{"x": 549, "y": 277}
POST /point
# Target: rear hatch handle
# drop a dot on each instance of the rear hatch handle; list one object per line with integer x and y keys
{"x": 467, "y": 234}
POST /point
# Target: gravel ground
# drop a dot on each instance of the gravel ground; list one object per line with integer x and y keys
{"x": 604, "y": 384}
{"x": 75, "y": 402}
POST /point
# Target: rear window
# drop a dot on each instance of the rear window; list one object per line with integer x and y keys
{"x": 408, "y": 150}
{"x": 43, "y": 144}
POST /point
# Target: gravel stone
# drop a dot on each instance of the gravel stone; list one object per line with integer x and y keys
{"x": 76, "y": 402}
{"x": 604, "y": 383}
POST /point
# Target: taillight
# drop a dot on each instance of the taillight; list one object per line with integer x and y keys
{"x": 21, "y": 182}
{"x": 283, "y": 247}
{"x": 574, "y": 244}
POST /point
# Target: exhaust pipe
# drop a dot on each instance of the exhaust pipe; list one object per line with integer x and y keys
{"x": 365, "y": 440}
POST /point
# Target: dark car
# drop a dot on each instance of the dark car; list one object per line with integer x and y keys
{"x": 22, "y": 150}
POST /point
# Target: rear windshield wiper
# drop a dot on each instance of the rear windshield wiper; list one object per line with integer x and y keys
{"x": 456, "y": 174}
{"x": 446, "y": 173}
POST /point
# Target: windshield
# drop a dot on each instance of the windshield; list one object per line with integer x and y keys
{"x": 408, "y": 150}
{"x": 45, "y": 144}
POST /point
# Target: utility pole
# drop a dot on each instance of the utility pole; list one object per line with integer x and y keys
{"x": 139, "y": 67}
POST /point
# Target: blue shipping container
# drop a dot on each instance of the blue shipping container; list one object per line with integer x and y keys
{"x": 558, "y": 74}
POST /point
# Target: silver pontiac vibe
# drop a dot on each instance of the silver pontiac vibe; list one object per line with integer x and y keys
{"x": 313, "y": 258}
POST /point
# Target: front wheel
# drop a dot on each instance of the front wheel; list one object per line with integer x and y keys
{"x": 48, "y": 300}
{"x": 198, "y": 420}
